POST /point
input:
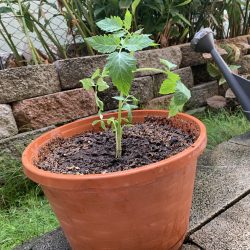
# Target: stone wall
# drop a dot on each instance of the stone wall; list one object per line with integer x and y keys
{"x": 34, "y": 99}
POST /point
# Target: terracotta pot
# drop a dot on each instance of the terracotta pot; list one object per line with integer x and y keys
{"x": 143, "y": 208}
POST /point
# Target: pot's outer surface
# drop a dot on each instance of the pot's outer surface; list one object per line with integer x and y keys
{"x": 146, "y": 208}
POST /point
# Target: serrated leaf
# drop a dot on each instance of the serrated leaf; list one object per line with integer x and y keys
{"x": 111, "y": 24}
{"x": 169, "y": 85}
{"x": 128, "y": 20}
{"x": 168, "y": 64}
{"x": 105, "y": 43}
{"x": 182, "y": 94}
{"x": 121, "y": 66}
{"x": 120, "y": 33}
{"x": 102, "y": 85}
{"x": 95, "y": 74}
{"x": 87, "y": 83}
{"x": 137, "y": 42}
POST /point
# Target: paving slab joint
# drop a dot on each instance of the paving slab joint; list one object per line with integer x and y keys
{"x": 193, "y": 243}
{"x": 222, "y": 210}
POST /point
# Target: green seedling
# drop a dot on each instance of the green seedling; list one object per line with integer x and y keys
{"x": 120, "y": 44}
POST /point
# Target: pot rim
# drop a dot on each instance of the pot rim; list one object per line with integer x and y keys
{"x": 195, "y": 149}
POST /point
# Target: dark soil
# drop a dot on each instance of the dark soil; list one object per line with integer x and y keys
{"x": 94, "y": 152}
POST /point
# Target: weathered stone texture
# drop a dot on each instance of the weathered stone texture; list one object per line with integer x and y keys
{"x": 192, "y": 58}
{"x": 230, "y": 230}
{"x": 245, "y": 65}
{"x": 142, "y": 89}
{"x": 8, "y": 125}
{"x": 242, "y": 42}
{"x": 161, "y": 102}
{"x": 200, "y": 94}
{"x": 189, "y": 247}
{"x": 151, "y": 58}
{"x": 53, "y": 109}
{"x": 26, "y": 82}
{"x": 185, "y": 74}
{"x": 71, "y": 71}
{"x": 15, "y": 145}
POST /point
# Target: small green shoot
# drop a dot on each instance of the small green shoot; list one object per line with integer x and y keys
{"x": 120, "y": 44}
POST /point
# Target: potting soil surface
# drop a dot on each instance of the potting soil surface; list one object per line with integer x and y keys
{"x": 94, "y": 152}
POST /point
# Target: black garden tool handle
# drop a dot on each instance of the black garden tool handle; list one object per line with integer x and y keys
{"x": 203, "y": 42}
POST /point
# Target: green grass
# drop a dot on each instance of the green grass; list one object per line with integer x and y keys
{"x": 32, "y": 218}
{"x": 25, "y": 213}
{"x": 223, "y": 125}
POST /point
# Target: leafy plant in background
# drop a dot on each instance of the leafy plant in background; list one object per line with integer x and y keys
{"x": 121, "y": 44}
{"x": 20, "y": 9}
{"x": 233, "y": 55}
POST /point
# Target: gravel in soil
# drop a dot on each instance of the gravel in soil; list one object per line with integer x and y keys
{"x": 94, "y": 152}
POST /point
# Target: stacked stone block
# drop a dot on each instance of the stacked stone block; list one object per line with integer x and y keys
{"x": 34, "y": 99}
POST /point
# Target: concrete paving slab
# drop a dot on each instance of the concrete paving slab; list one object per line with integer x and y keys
{"x": 243, "y": 140}
{"x": 190, "y": 247}
{"x": 215, "y": 188}
{"x": 54, "y": 240}
{"x": 230, "y": 153}
{"x": 229, "y": 231}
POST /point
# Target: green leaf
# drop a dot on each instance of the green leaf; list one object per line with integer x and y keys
{"x": 128, "y": 20}
{"x": 137, "y": 42}
{"x": 213, "y": 70}
{"x": 120, "y": 33}
{"x": 128, "y": 106}
{"x": 124, "y": 4}
{"x": 104, "y": 44}
{"x": 138, "y": 32}
{"x": 103, "y": 126}
{"x": 4, "y": 10}
{"x": 105, "y": 72}
{"x": 111, "y": 24}
{"x": 182, "y": 94}
{"x": 119, "y": 98}
{"x": 183, "y": 18}
{"x": 222, "y": 81}
{"x": 102, "y": 85}
{"x": 87, "y": 83}
{"x": 99, "y": 103}
{"x": 168, "y": 64}
{"x": 134, "y": 6}
{"x": 174, "y": 108}
{"x": 95, "y": 74}
{"x": 169, "y": 85}
{"x": 121, "y": 66}
{"x": 184, "y": 3}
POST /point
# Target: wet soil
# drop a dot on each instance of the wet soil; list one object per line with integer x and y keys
{"x": 94, "y": 152}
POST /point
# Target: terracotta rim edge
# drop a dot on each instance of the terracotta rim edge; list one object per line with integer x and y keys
{"x": 196, "y": 148}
